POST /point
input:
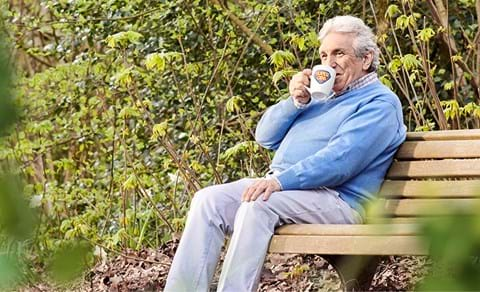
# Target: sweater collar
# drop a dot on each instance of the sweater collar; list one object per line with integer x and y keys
{"x": 359, "y": 83}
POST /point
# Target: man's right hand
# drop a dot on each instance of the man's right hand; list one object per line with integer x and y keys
{"x": 297, "y": 86}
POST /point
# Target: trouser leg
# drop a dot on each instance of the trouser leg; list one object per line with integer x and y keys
{"x": 210, "y": 218}
{"x": 254, "y": 226}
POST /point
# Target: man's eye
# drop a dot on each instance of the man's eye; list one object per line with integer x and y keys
{"x": 323, "y": 56}
{"x": 340, "y": 54}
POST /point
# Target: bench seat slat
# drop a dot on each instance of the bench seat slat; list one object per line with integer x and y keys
{"x": 351, "y": 245}
{"x": 431, "y": 189}
{"x": 434, "y": 169}
{"x": 348, "y": 229}
{"x": 444, "y": 135}
{"x": 439, "y": 149}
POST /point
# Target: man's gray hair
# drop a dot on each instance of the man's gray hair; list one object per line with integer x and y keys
{"x": 364, "y": 38}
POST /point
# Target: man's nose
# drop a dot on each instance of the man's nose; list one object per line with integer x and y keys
{"x": 330, "y": 61}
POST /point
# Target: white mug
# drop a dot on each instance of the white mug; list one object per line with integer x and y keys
{"x": 321, "y": 82}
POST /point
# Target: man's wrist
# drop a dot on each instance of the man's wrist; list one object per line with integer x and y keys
{"x": 278, "y": 182}
{"x": 301, "y": 105}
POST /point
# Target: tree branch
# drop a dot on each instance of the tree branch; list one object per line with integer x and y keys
{"x": 266, "y": 48}
{"x": 440, "y": 16}
{"x": 476, "y": 41}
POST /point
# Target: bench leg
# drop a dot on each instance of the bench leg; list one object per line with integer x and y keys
{"x": 355, "y": 272}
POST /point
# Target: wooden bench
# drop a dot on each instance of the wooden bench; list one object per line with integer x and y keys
{"x": 434, "y": 174}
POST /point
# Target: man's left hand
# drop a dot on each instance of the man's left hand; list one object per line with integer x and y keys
{"x": 265, "y": 186}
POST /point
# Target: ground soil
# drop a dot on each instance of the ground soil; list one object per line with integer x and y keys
{"x": 146, "y": 270}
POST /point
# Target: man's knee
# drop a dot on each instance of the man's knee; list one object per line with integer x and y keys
{"x": 202, "y": 199}
{"x": 258, "y": 210}
{"x": 211, "y": 200}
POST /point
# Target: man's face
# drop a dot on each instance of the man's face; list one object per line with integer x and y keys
{"x": 337, "y": 52}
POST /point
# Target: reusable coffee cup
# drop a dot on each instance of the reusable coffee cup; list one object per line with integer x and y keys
{"x": 321, "y": 82}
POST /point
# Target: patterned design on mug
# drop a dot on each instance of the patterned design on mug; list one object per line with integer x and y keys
{"x": 322, "y": 76}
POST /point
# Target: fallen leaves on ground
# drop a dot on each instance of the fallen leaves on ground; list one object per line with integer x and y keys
{"x": 146, "y": 270}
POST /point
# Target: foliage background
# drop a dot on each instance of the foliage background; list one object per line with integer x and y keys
{"x": 129, "y": 107}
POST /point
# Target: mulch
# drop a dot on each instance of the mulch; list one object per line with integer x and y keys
{"x": 146, "y": 270}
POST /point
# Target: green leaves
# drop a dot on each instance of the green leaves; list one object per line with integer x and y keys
{"x": 386, "y": 81}
{"x": 159, "y": 131}
{"x": 155, "y": 61}
{"x": 123, "y": 39}
{"x": 234, "y": 104}
{"x": 450, "y": 108}
{"x": 403, "y": 21}
{"x": 240, "y": 148}
{"x": 392, "y": 10}
{"x": 410, "y": 62}
{"x": 448, "y": 85}
{"x": 312, "y": 40}
{"x": 124, "y": 77}
{"x": 457, "y": 58}
{"x": 298, "y": 41}
{"x": 426, "y": 34}
{"x": 395, "y": 65}
{"x": 281, "y": 58}
{"x": 282, "y": 74}
{"x": 130, "y": 183}
{"x": 129, "y": 112}
{"x": 471, "y": 109}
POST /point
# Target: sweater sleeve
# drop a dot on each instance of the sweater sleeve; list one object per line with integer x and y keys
{"x": 360, "y": 139}
{"x": 276, "y": 122}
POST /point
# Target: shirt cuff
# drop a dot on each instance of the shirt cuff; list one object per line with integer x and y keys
{"x": 288, "y": 179}
{"x": 300, "y": 105}
{"x": 271, "y": 174}
{"x": 278, "y": 182}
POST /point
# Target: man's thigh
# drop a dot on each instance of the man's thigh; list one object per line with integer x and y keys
{"x": 226, "y": 193}
{"x": 220, "y": 203}
{"x": 321, "y": 206}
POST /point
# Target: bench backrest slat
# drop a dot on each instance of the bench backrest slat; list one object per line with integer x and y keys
{"x": 430, "y": 207}
{"x": 447, "y": 168}
{"x": 444, "y": 135}
{"x": 431, "y": 189}
{"x": 439, "y": 149}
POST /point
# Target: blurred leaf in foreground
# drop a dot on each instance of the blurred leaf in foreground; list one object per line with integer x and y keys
{"x": 8, "y": 111}
{"x": 454, "y": 247}
{"x": 16, "y": 218}
{"x": 70, "y": 262}
{"x": 9, "y": 271}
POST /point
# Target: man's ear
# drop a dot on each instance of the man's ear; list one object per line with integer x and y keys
{"x": 367, "y": 60}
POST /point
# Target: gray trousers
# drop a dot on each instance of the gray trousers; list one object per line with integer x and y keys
{"x": 217, "y": 211}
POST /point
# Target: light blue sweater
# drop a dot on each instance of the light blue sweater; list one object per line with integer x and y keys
{"x": 346, "y": 144}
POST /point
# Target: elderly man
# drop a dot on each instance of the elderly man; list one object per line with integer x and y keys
{"x": 331, "y": 157}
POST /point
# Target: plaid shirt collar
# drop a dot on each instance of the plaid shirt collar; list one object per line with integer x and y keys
{"x": 359, "y": 83}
